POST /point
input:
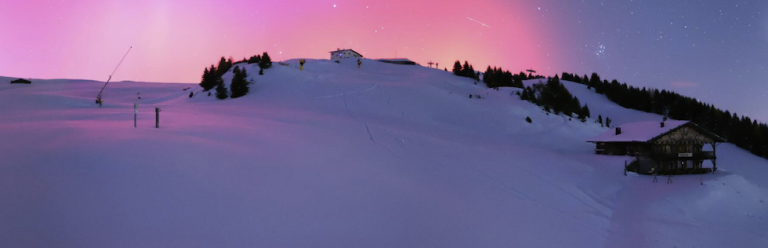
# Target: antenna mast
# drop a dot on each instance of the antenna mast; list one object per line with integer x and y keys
{"x": 98, "y": 98}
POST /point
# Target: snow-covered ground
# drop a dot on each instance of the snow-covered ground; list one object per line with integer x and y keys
{"x": 335, "y": 156}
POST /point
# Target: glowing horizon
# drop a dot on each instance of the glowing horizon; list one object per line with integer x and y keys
{"x": 710, "y": 47}
{"x": 173, "y": 41}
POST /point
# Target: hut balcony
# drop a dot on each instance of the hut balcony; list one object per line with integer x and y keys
{"x": 699, "y": 155}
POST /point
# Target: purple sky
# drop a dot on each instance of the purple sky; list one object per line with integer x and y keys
{"x": 716, "y": 52}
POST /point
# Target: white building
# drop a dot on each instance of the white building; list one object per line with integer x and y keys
{"x": 343, "y": 54}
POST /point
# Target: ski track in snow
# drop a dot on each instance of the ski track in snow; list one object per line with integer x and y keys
{"x": 348, "y": 93}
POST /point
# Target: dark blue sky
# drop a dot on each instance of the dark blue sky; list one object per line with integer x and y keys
{"x": 715, "y": 51}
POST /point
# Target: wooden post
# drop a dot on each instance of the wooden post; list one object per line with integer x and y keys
{"x": 157, "y": 117}
{"x": 714, "y": 160}
{"x": 625, "y": 168}
{"x": 135, "y": 112}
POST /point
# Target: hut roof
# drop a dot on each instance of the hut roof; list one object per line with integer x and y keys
{"x": 341, "y": 50}
{"x": 648, "y": 131}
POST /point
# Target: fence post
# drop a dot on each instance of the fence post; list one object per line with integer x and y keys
{"x": 135, "y": 112}
{"x": 157, "y": 117}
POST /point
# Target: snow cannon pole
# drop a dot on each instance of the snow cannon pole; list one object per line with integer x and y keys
{"x": 157, "y": 117}
{"x": 98, "y": 97}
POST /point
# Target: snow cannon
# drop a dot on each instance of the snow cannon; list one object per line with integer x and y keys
{"x": 98, "y": 97}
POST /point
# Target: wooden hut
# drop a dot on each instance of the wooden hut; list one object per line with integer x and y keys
{"x": 670, "y": 147}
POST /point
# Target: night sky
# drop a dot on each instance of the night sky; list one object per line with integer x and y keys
{"x": 716, "y": 51}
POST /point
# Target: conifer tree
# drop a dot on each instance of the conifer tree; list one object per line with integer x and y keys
{"x": 488, "y": 77}
{"x": 204, "y": 79}
{"x": 254, "y": 59}
{"x": 266, "y": 61}
{"x": 221, "y": 90}
{"x": 222, "y": 68}
{"x": 239, "y": 86}
{"x": 208, "y": 80}
{"x": 465, "y": 69}
{"x": 457, "y": 68}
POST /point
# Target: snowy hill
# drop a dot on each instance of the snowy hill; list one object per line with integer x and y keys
{"x": 335, "y": 156}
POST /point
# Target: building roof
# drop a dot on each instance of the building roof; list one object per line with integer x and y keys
{"x": 341, "y": 50}
{"x": 398, "y": 61}
{"x": 648, "y": 131}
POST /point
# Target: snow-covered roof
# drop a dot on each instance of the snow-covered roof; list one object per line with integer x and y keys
{"x": 638, "y": 131}
{"x": 398, "y": 61}
{"x": 342, "y": 50}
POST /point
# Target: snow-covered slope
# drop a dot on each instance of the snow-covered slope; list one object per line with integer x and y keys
{"x": 336, "y": 156}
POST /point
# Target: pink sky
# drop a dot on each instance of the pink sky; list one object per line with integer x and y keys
{"x": 173, "y": 41}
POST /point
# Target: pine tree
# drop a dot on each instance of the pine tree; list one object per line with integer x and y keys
{"x": 266, "y": 61}
{"x": 208, "y": 80}
{"x": 607, "y": 122}
{"x": 600, "y": 119}
{"x": 488, "y": 77}
{"x": 457, "y": 68}
{"x": 204, "y": 79}
{"x": 221, "y": 90}
{"x": 254, "y": 59}
{"x": 239, "y": 86}
{"x": 583, "y": 113}
{"x": 524, "y": 95}
{"x": 465, "y": 69}
{"x": 237, "y": 82}
{"x": 224, "y": 66}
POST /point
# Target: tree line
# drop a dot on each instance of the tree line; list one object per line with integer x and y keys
{"x": 742, "y": 131}
{"x": 554, "y": 97}
{"x": 493, "y": 77}
{"x": 497, "y": 77}
{"x": 465, "y": 71}
{"x": 211, "y": 78}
